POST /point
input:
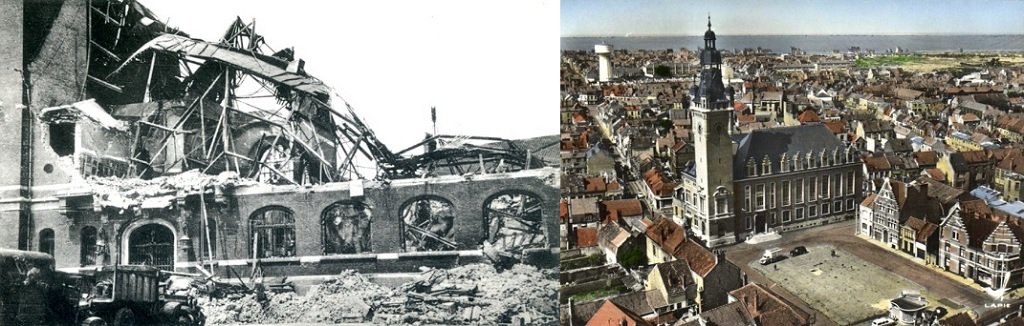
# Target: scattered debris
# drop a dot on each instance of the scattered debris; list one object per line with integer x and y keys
{"x": 472, "y": 294}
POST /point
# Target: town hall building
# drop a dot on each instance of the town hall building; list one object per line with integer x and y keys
{"x": 766, "y": 181}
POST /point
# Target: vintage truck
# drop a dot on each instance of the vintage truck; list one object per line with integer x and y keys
{"x": 134, "y": 294}
{"x": 32, "y": 292}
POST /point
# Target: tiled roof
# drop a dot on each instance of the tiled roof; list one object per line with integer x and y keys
{"x": 614, "y": 209}
{"x": 768, "y": 308}
{"x": 586, "y": 237}
{"x": 773, "y": 142}
{"x": 666, "y": 234}
{"x": 613, "y": 314}
{"x": 701, "y": 260}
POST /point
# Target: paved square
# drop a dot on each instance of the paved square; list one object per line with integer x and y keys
{"x": 846, "y": 289}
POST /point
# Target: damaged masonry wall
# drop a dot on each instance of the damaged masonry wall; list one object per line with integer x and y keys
{"x": 77, "y": 172}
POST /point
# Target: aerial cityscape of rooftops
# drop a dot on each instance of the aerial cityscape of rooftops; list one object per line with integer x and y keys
{"x": 705, "y": 186}
{"x": 152, "y": 177}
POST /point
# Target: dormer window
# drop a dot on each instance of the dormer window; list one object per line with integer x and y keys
{"x": 810, "y": 161}
{"x": 824, "y": 159}
{"x": 784, "y": 163}
{"x": 797, "y": 165}
{"x": 751, "y": 168}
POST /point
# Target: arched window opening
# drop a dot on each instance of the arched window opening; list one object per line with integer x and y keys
{"x": 429, "y": 224}
{"x": 273, "y": 232}
{"x": 87, "y": 255}
{"x": 346, "y": 228}
{"x": 514, "y": 220}
{"x": 46, "y": 241}
{"x": 152, "y": 245}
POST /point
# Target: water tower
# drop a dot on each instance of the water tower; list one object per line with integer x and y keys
{"x": 604, "y": 59}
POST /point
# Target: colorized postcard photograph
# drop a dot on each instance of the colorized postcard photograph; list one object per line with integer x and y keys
{"x": 269, "y": 162}
{"x": 791, "y": 163}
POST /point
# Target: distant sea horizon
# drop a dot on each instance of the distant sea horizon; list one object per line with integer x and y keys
{"x": 928, "y": 43}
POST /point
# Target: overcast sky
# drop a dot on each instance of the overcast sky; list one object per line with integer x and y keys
{"x": 790, "y": 17}
{"x": 490, "y": 68}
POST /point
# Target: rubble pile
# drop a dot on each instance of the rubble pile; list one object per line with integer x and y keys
{"x": 466, "y": 295}
{"x": 130, "y": 192}
{"x": 475, "y": 294}
{"x": 347, "y": 298}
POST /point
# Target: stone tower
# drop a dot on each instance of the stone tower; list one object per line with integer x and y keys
{"x": 712, "y": 124}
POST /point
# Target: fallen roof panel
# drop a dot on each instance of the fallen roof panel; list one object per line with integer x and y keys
{"x": 248, "y": 62}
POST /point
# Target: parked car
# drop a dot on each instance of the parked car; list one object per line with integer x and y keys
{"x": 884, "y": 321}
{"x": 800, "y": 250}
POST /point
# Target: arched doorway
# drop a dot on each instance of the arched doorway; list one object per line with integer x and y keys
{"x": 428, "y": 223}
{"x": 346, "y": 228}
{"x": 152, "y": 245}
{"x": 514, "y": 220}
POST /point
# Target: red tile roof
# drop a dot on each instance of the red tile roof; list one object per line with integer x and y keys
{"x": 614, "y": 209}
{"x": 666, "y": 234}
{"x": 701, "y": 260}
{"x": 836, "y": 126}
{"x": 809, "y": 116}
{"x": 613, "y": 314}
{"x": 586, "y": 237}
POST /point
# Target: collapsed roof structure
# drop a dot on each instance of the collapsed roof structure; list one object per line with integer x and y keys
{"x": 237, "y": 105}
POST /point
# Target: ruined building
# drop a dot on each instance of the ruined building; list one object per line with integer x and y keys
{"x": 128, "y": 141}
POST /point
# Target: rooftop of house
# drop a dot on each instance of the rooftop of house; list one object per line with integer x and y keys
{"x": 616, "y": 208}
{"x": 768, "y": 308}
{"x": 613, "y": 314}
{"x": 733, "y": 313}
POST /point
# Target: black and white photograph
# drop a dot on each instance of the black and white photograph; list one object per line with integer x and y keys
{"x": 278, "y": 162}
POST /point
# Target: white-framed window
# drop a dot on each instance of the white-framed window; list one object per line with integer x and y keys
{"x": 799, "y": 213}
{"x": 766, "y": 166}
{"x": 786, "y": 216}
{"x": 824, "y": 209}
{"x": 837, "y": 206}
{"x": 798, "y": 191}
{"x": 751, "y": 168}
{"x": 955, "y": 235}
{"x": 825, "y": 186}
{"x": 851, "y": 180}
{"x": 785, "y": 193}
{"x": 812, "y": 189}
{"x": 771, "y": 218}
{"x": 812, "y": 211}
{"x": 747, "y": 197}
{"x": 849, "y": 204}
{"x": 771, "y": 195}
{"x": 759, "y": 196}
{"x": 836, "y": 189}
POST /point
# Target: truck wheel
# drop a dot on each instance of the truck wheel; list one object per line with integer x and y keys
{"x": 182, "y": 318}
{"x": 94, "y": 321}
{"x": 124, "y": 317}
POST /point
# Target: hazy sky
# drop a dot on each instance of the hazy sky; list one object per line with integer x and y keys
{"x": 753, "y": 17}
{"x": 490, "y": 68}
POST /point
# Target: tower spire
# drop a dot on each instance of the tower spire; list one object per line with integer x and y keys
{"x": 709, "y": 20}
